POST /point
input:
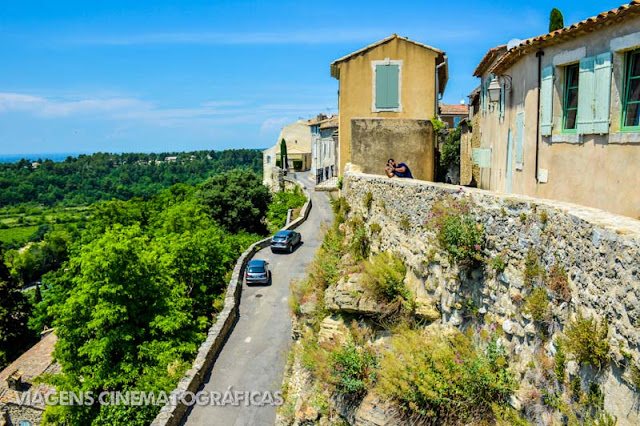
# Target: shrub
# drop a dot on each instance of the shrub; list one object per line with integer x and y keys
{"x": 353, "y": 368}
{"x": 537, "y": 305}
{"x": 375, "y": 228}
{"x": 558, "y": 282}
{"x": 587, "y": 341}
{"x": 458, "y": 233}
{"x": 340, "y": 209}
{"x": 368, "y": 200}
{"x": 384, "y": 275}
{"x": 560, "y": 360}
{"x": 497, "y": 263}
{"x": 359, "y": 245}
{"x": 532, "y": 269}
{"x": 544, "y": 217}
{"x": 444, "y": 380}
{"x": 405, "y": 223}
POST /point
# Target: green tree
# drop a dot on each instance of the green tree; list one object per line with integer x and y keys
{"x": 284, "y": 158}
{"x": 237, "y": 200}
{"x": 15, "y": 336}
{"x": 556, "y": 20}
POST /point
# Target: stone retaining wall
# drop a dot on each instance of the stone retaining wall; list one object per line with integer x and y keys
{"x": 599, "y": 251}
{"x": 171, "y": 415}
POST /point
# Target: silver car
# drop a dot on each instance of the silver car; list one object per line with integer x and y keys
{"x": 257, "y": 272}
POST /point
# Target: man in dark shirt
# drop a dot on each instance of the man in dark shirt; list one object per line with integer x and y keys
{"x": 400, "y": 170}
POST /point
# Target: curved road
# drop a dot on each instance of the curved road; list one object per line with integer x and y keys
{"x": 254, "y": 357}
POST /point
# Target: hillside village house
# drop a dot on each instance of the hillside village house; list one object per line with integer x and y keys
{"x": 298, "y": 139}
{"x": 559, "y": 114}
{"x": 388, "y": 93}
{"x": 324, "y": 147}
{"x": 451, "y": 114}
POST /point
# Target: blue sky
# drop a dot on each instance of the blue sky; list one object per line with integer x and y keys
{"x": 151, "y": 76}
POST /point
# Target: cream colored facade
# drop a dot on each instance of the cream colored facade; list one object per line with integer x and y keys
{"x": 417, "y": 85}
{"x": 597, "y": 170}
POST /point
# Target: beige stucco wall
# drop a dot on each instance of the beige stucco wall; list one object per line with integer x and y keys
{"x": 297, "y": 135}
{"x": 409, "y": 141}
{"x": 417, "y": 92}
{"x": 593, "y": 170}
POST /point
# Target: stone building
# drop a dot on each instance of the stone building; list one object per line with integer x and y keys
{"x": 452, "y": 114}
{"x": 559, "y": 114}
{"x": 297, "y": 136}
{"x": 324, "y": 141}
{"x": 388, "y": 94}
{"x": 18, "y": 378}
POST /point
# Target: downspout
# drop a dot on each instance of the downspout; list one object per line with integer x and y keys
{"x": 539, "y": 55}
{"x": 437, "y": 91}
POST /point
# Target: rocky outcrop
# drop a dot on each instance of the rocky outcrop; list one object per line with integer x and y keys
{"x": 350, "y": 295}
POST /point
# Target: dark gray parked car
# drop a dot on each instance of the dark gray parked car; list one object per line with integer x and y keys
{"x": 257, "y": 272}
{"x": 285, "y": 241}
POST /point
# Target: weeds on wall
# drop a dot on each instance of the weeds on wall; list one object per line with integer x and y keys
{"x": 558, "y": 282}
{"x": 587, "y": 341}
{"x": 457, "y": 231}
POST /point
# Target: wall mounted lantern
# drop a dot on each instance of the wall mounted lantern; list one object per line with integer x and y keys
{"x": 496, "y": 85}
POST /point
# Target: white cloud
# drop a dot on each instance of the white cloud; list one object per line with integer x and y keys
{"x": 273, "y": 124}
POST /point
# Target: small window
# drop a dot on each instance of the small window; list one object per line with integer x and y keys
{"x": 386, "y": 89}
{"x": 631, "y": 110}
{"x": 24, "y": 423}
{"x": 570, "y": 107}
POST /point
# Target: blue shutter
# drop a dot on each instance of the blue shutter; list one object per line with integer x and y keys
{"x": 387, "y": 78}
{"x": 483, "y": 96}
{"x": 546, "y": 101}
{"x": 519, "y": 140}
{"x": 502, "y": 100}
{"x": 381, "y": 86}
{"x": 602, "y": 92}
{"x": 586, "y": 96}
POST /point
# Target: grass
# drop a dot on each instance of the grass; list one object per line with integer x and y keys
{"x": 17, "y": 234}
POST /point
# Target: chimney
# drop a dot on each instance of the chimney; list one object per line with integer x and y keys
{"x": 14, "y": 381}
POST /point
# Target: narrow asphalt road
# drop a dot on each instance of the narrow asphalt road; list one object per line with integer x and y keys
{"x": 254, "y": 357}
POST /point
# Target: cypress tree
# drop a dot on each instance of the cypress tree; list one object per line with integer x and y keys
{"x": 556, "y": 20}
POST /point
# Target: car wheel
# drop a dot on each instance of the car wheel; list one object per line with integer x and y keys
{"x": 291, "y": 248}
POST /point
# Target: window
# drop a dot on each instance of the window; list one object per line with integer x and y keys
{"x": 570, "y": 106}
{"x": 386, "y": 85}
{"x": 631, "y": 110}
{"x": 456, "y": 121}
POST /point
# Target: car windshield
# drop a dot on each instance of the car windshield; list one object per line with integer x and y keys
{"x": 256, "y": 269}
{"x": 280, "y": 237}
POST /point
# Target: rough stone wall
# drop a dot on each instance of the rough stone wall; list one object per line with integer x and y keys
{"x": 375, "y": 140}
{"x": 599, "y": 251}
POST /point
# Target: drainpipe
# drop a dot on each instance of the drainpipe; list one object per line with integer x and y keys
{"x": 539, "y": 55}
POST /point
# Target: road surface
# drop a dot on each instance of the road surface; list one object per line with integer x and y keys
{"x": 254, "y": 357}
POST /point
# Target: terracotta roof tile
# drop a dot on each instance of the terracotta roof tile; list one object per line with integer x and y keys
{"x": 454, "y": 109}
{"x": 489, "y": 58}
{"x": 527, "y": 46}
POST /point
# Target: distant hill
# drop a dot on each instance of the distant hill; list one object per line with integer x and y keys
{"x": 85, "y": 179}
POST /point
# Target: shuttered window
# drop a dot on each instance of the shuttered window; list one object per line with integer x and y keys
{"x": 482, "y": 157}
{"x": 594, "y": 94}
{"x": 631, "y": 109}
{"x": 546, "y": 101}
{"x": 387, "y": 85}
{"x": 570, "y": 105}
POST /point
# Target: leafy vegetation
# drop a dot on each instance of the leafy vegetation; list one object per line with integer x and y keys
{"x": 353, "y": 368}
{"x": 537, "y": 305}
{"x": 99, "y": 177}
{"x": 281, "y": 203}
{"x": 384, "y": 275}
{"x": 532, "y": 268}
{"x": 445, "y": 378}
{"x": 558, "y": 282}
{"x": 588, "y": 341}
{"x": 556, "y": 20}
{"x": 458, "y": 233}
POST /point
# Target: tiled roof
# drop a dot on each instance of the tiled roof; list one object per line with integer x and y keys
{"x": 454, "y": 109}
{"x": 489, "y": 58}
{"x": 31, "y": 364}
{"x": 330, "y": 123}
{"x": 530, "y": 45}
{"x": 334, "y": 65}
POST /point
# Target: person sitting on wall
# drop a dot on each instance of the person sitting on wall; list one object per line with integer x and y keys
{"x": 400, "y": 170}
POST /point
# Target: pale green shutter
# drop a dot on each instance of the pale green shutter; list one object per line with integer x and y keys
{"x": 392, "y": 86}
{"x": 502, "y": 100}
{"x": 546, "y": 101}
{"x": 387, "y": 86}
{"x": 381, "y": 86}
{"x": 602, "y": 79}
{"x": 519, "y": 140}
{"x": 483, "y": 96}
{"x": 586, "y": 96}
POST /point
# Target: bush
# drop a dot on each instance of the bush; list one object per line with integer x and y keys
{"x": 587, "y": 341}
{"x": 384, "y": 275}
{"x": 297, "y": 164}
{"x": 497, "y": 263}
{"x": 445, "y": 378}
{"x": 280, "y": 205}
{"x": 359, "y": 245}
{"x": 368, "y": 200}
{"x": 537, "y": 305}
{"x": 558, "y": 282}
{"x": 532, "y": 268}
{"x": 458, "y": 233}
{"x": 353, "y": 368}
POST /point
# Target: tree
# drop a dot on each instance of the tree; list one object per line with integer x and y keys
{"x": 15, "y": 336}
{"x": 556, "y": 21}
{"x": 237, "y": 200}
{"x": 283, "y": 154}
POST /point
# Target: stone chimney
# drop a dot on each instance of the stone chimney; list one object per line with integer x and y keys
{"x": 14, "y": 381}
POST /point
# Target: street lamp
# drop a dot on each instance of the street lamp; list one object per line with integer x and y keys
{"x": 498, "y": 83}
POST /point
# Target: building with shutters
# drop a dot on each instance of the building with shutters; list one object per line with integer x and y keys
{"x": 389, "y": 84}
{"x": 559, "y": 114}
{"x": 324, "y": 147}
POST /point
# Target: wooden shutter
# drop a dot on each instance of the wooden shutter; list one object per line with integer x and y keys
{"x": 602, "y": 92}
{"x": 502, "y": 100}
{"x": 387, "y": 96}
{"x": 519, "y": 140}
{"x": 546, "y": 101}
{"x": 586, "y": 96}
{"x": 483, "y": 96}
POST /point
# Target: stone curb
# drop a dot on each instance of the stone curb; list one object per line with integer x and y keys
{"x": 171, "y": 415}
